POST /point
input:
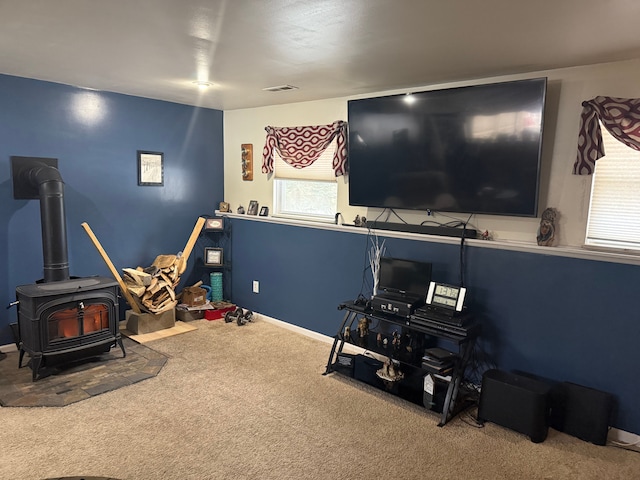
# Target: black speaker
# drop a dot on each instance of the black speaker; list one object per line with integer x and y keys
{"x": 581, "y": 412}
{"x": 517, "y": 402}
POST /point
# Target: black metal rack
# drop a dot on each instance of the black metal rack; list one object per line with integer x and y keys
{"x": 422, "y": 336}
{"x": 217, "y": 239}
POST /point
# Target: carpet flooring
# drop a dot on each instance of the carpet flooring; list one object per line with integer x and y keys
{"x": 251, "y": 402}
{"x": 70, "y": 383}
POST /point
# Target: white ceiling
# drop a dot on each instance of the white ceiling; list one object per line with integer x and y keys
{"x": 327, "y": 48}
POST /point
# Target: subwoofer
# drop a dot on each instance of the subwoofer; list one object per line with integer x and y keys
{"x": 581, "y": 412}
{"x": 517, "y": 402}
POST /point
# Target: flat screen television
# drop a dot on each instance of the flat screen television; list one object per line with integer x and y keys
{"x": 407, "y": 277}
{"x": 472, "y": 149}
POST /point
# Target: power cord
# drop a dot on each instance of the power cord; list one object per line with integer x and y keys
{"x": 464, "y": 231}
{"x": 632, "y": 446}
{"x": 470, "y": 418}
{"x": 399, "y": 217}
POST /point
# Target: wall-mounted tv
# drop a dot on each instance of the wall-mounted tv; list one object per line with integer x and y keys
{"x": 472, "y": 149}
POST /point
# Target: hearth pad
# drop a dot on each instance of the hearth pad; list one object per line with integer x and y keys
{"x": 78, "y": 381}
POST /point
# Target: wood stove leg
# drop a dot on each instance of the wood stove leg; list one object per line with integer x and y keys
{"x": 20, "y": 358}
{"x": 36, "y": 360}
{"x": 124, "y": 354}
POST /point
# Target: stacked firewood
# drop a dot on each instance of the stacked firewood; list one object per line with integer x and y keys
{"x": 153, "y": 288}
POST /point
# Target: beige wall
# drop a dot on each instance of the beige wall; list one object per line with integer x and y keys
{"x": 567, "y": 88}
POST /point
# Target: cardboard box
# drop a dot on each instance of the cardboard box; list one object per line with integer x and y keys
{"x": 194, "y": 296}
{"x": 139, "y": 323}
{"x": 189, "y": 315}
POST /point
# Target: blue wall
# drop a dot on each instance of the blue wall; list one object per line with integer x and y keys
{"x": 560, "y": 318}
{"x": 95, "y": 137}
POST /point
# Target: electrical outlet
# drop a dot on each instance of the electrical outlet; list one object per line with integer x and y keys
{"x": 256, "y": 286}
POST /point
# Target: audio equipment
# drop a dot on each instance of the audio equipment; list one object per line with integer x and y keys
{"x": 399, "y": 307}
{"x": 581, "y": 412}
{"x": 516, "y": 402}
{"x": 424, "y": 229}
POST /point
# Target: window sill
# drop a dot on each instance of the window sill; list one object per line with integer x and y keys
{"x": 560, "y": 251}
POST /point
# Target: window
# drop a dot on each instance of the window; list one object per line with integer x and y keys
{"x": 614, "y": 209}
{"x": 309, "y": 193}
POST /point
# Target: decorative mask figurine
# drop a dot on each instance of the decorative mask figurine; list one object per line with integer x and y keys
{"x": 547, "y": 229}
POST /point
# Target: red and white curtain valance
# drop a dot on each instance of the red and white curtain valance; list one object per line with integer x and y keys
{"x": 620, "y": 116}
{"x": 301, "y": 146}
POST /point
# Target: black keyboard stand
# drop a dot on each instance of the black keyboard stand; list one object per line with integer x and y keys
{"x": 464, "y": 338}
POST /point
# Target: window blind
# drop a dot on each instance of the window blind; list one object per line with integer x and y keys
{"x": 614, "y": 209}
{"x": 321, "y": 169}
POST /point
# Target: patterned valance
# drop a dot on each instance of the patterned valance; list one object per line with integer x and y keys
{"x": 301, "y": 146}
{"x": 620, "y": 116}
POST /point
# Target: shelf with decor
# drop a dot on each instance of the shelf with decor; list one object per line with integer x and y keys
{"x": 214, "y": 263}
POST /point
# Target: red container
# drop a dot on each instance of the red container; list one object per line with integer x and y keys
{"x": 218, "y": 313}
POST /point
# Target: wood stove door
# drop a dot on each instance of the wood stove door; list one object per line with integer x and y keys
{"x": 76, "y": 321}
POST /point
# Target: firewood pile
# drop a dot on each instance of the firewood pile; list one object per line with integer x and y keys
{"x": 153, "y": 288}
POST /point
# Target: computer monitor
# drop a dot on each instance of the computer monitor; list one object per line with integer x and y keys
{"x": 406, "y": 277}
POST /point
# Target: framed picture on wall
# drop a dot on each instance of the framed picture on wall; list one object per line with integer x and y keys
{"x": 213, "y": 257}
{"x": 150, "y": 168}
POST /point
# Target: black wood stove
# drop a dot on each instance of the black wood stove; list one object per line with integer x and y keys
{"x": 60, "y": 318}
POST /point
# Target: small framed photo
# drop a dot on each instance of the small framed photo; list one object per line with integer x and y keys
{"x": 150, "y": 168}
{"x": 224, "y": 207}
{"x": 253, "y": 208}
{"x": 264, "y": 211}
{"x": 214, "y": 223}
{"x": 213, "y": 257}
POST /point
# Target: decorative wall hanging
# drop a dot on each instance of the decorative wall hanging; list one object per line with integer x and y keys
{"x": 247, "y": 161}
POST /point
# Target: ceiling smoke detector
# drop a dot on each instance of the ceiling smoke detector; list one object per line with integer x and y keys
{"x": 280, "y": 88}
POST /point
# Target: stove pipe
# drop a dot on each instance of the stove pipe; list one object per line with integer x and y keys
{"x": 40, "y": 178}
{"x": 53, "y": 220}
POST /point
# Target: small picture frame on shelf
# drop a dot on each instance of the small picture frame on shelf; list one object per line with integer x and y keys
{"x": 224, "y": 207}
{"x": 214, "y": 223}
{"x": 264, "y": 211}
{"x": 253, "y": 208}
{"x": 213, "y": 257}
